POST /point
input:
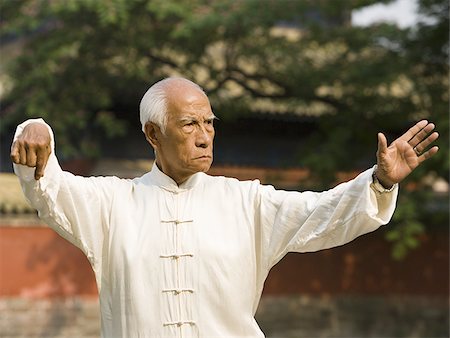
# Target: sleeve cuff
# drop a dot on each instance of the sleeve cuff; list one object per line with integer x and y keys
{"x": 377, "y": 186}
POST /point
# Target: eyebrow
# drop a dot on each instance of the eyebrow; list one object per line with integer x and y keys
{"x": 212, "y": 117}
{"x": 191, "y": 119}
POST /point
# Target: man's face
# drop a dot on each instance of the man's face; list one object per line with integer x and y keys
{"x": 187, "y": 145}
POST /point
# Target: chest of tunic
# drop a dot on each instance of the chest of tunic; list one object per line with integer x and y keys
{"x": 183, "y": 266}
{"x": 178, "y": 264}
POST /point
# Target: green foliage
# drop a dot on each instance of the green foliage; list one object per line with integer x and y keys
{"x": 84, "y": 65}
{"x": 407, "y": 230}
{"x": 416, "y": 211}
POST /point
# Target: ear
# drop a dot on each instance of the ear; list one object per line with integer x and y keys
{"x": 152, "y": 134}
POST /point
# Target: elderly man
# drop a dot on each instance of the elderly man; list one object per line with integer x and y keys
{"x": 178, "y": 253}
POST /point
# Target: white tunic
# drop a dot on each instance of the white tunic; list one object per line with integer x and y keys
{"x": 191, "y": 260}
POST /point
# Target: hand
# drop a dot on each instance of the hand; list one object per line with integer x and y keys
{"x": 32, "y": 148}
{"x": 405, "y": 154}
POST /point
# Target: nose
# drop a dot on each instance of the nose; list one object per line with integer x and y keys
{"x": 204, "y": 137}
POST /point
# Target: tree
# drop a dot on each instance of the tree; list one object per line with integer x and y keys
{"x": 85, "y": 64}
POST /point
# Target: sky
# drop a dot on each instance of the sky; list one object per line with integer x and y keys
{"x": 403, "y": 12}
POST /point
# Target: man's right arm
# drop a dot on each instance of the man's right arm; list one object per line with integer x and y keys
{"x": 76, "y": 207}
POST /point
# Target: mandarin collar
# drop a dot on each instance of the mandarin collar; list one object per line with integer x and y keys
{"x": 157, "y": 177}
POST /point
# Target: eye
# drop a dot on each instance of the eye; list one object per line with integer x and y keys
{"x": 189, "y": 123}
{"x": 188, "y": 126}
{"x": 209, "y": 123}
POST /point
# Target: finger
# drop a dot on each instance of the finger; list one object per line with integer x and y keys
{"x": 425, "y": 143}
{"x": 413, "y": 130}
{"x": 15, "y": 153}
{"x": 41, "y": 163}
{"x": 382, "y": 143}
{"x": 22, "y": 154}
{"x": 31, "y": 157}
{"x": 426, "y": 155}
{"x": 421, "y": 135}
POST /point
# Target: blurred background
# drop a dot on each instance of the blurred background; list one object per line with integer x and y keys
{"x": 301, "y": 89}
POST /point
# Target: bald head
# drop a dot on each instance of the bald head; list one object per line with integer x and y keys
{"x": 172, "y": 84}
{"x": 157, "y": 100}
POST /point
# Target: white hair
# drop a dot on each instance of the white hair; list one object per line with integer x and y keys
{"x": 153, "y": 106}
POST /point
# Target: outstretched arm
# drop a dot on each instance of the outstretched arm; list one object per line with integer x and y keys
{"x": 78, "y": 208}
{"x": 401, "y": 157}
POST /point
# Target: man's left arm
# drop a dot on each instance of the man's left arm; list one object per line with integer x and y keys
{"x": 308, "y": 221}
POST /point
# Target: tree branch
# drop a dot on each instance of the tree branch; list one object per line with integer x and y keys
{"x": 162, "y": 60}
{"x": 287, "y": 91}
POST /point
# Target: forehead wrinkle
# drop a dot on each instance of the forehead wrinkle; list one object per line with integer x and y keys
{"x": 187, "y": 103}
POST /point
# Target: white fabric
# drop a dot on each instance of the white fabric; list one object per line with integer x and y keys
{"x": 190, "y": 261}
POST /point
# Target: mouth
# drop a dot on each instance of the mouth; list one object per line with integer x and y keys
{"x": 203, "y": 157}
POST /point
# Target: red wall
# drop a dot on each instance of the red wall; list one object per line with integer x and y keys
{"x": 36, "y": 262}
{"x": 365, "y": 266}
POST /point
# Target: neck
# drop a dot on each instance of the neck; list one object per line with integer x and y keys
{"x": 178, "y": 180}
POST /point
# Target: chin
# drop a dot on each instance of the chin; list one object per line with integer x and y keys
{"x": 204, "y": 168}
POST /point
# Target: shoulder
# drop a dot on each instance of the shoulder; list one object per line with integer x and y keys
{"x": 105, "y": 183}
{"x": 228, "y": 180}
{"x": 231, "y": 184}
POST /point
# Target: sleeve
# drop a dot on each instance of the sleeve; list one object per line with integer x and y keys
{"x": 76, "y": 207}
{"x": 311, "y": 221}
